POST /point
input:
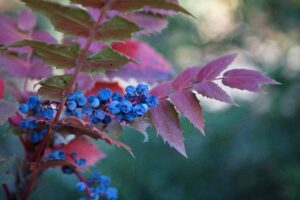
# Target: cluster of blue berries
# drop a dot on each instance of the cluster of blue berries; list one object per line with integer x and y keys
{"x": 35, "y": 109}
{"x": 60, "y": 155}
{"x": 100, "y": 187}
{"x": 107, "y": 105}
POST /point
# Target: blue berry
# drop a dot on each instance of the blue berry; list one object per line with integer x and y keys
{"x": 67, "y": 170}
{"x": 130, "y": 90}
{"x": 26, "y": 123}
{"x": 106, "y": 120}
{"x": 130, "y": 117}
{"x": 81, "y": 162}
{"x": 116, "y": 96}
{"x": 139, "y": 110}
{"x": 71, "y": 105}
{"x": 96, "y": 176}
{"x": 43, "y": 133}
{"x": 105, "y": 181}
{"x": 74, "y": 154}
{"x": 87, "y": 109}
{"x": 99, "y": 114}
{"x": 34, "y": 137}
{"x": 125, "y": 106}
{"x": 114, "y": 107}
{"x": 95, "y": 120}
{"x": 80, "y": 186}
{"x": 120, "y": 116}
{"x": 48, "y": 113}
{"x": 24, "y": 108}
{"x": 94, "y": 101}
{"x": 33, "y": 102}
{"x": 142, "y": 89}
{"x": 81, "y": 101}
{"x": 112, "y": 194}
{"x": 78, "y": 94}
{"x": 151, "y": 100}
{"x": 78, "y": 113}
{"x": 104, "y": 94}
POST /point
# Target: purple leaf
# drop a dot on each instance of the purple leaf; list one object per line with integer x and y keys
{"x": 7, "y": 108}
{"x": 152, "y": 66}
{"x": 95, "y": 46}
{"x": 245, "y": 79}
{"x": 43, "y": 36}
{"x": 26, "y": 20}
{"x": 166, "y": 122}
{"x": 188, "y": 105}
{"x": 185, "y": 79}
{"x": 162, "y": 12}
{"x": 214, "y": 68}
{"x": 213, "y": 91}
{"x": 162, "y": 90}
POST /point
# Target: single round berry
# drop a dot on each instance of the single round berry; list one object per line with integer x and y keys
{"x": 81, "y": 101}
{"x": 130, "y": 117}
{"x": 125, "y": 106}
{"x": 48, "y": 113}
{"x": 80, "y": 186}
{"x": 116, "y": 96}
{"x": 105, "y": 181}
{"x": 114, "y": 107}
{"x": 71, "y": 105}
{"x": 111, "y": 194}
{"x": 24, "y": 108}
{"x": 130, "y": 90}
{"x": 94, "y": 101}
{"x": 34, "y": 137}
{"x": 78, "y": 94}
{"x": 104, "y": 94}
{"x": 81, "y": 162}
{"x": 106, "y": 120}
{"x": 138, "y": 110}
{"x": 67, "y": 170}
{"x": 142, "y": 89}
{"x": 151, "y": 100}
{"x": 99, "y": 114}
{"x": 78, "y": 113}
{"x": 33, "y": 102}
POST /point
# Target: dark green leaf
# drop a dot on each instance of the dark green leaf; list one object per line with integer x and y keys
{"x": 116, "y": 29}
{"x": 90, "y": 3}
{"x": 70, "y": 20}
{"x": 60, "y": 56}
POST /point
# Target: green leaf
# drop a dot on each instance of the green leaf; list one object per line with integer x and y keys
{"x": 60, "y": 56}
{"x": 90, "y": 3}
{"x": 116, "y": 29}
{"x": 54, "y": 87}
{"x": 107, "y": 59}
{"x": 7, "y": 164}
{"x": 70, "y": 20}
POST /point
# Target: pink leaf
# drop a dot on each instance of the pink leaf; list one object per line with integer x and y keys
{"x": 213, "y": 91}
{"x": 189, "y": 106}
{"x": 7, "y": 109}
{"x": 214, "y": 68}
{"x": 245, "y": 79}
{"x": 185, "y": 79}
{"x": 1, "y": 88}
{"x": 162, "y": 90}
{"x": 43, "y": 36}
{"x": 26, "y": 20}
{"x": 84, "y": 149}
{"x": 166, "y": 122}
{"x": 151, "y": 67}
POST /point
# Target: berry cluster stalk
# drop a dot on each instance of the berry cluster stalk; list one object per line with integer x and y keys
{"x": 69, "y": 89}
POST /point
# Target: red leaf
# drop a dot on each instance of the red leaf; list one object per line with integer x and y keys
{"x": 185, "y": 79}
{"x": 26, "y": 21}
{"x": 213, "y": 91}
{"x": 98, "y": 85}
{"x": 7, "y": 109}
{"x": 162, "y": 90}
{"x": 214, "y": 68}
{"x": 245, "y": 79}
{"x": 84, "y": 149}
{"x": 2, "y": 90}
{"x": 151, "y": 66}
{"x": 80, "y": 127}
{"x": 166, "y": 122}
{"x": 189, "y": 106}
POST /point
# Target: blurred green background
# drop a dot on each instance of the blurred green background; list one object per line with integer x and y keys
{"x": 249, "y": 152}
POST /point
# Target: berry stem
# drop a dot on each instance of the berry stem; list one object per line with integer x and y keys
{"x": 80, "y": 61}
{"x": 82, "y": 179}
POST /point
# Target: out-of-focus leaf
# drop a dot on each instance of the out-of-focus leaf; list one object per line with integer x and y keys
{"x": 82, "y": 128}
{"x": 213, "y": 91}
{"x": 188, "y": 105}
{"x": 26, "y": 20}
{"x": 54, "y": 54}
{"x": 54, "y": 86}
{"x": 152, "y": 67}
{"x": 214, "y": 68}
{"x": 7, "y": 109}
{"x": 43, "y": 36}
{"x": 5, "y": 178}
{"x": 245, "y": 79}
{"x": 7, "y": 164}
{"x": 100, "y": 84}
{"x": 84, "y": 149}
{"x": 162, "y": 90}
{"x": 106, "y": 59}
{"x": 2, "y": 89}
{"x": 141, "y": 125}
{"x": 116, "y": 29}
{"x": 165, "y": 120}
{"x": 70, "y": 20}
